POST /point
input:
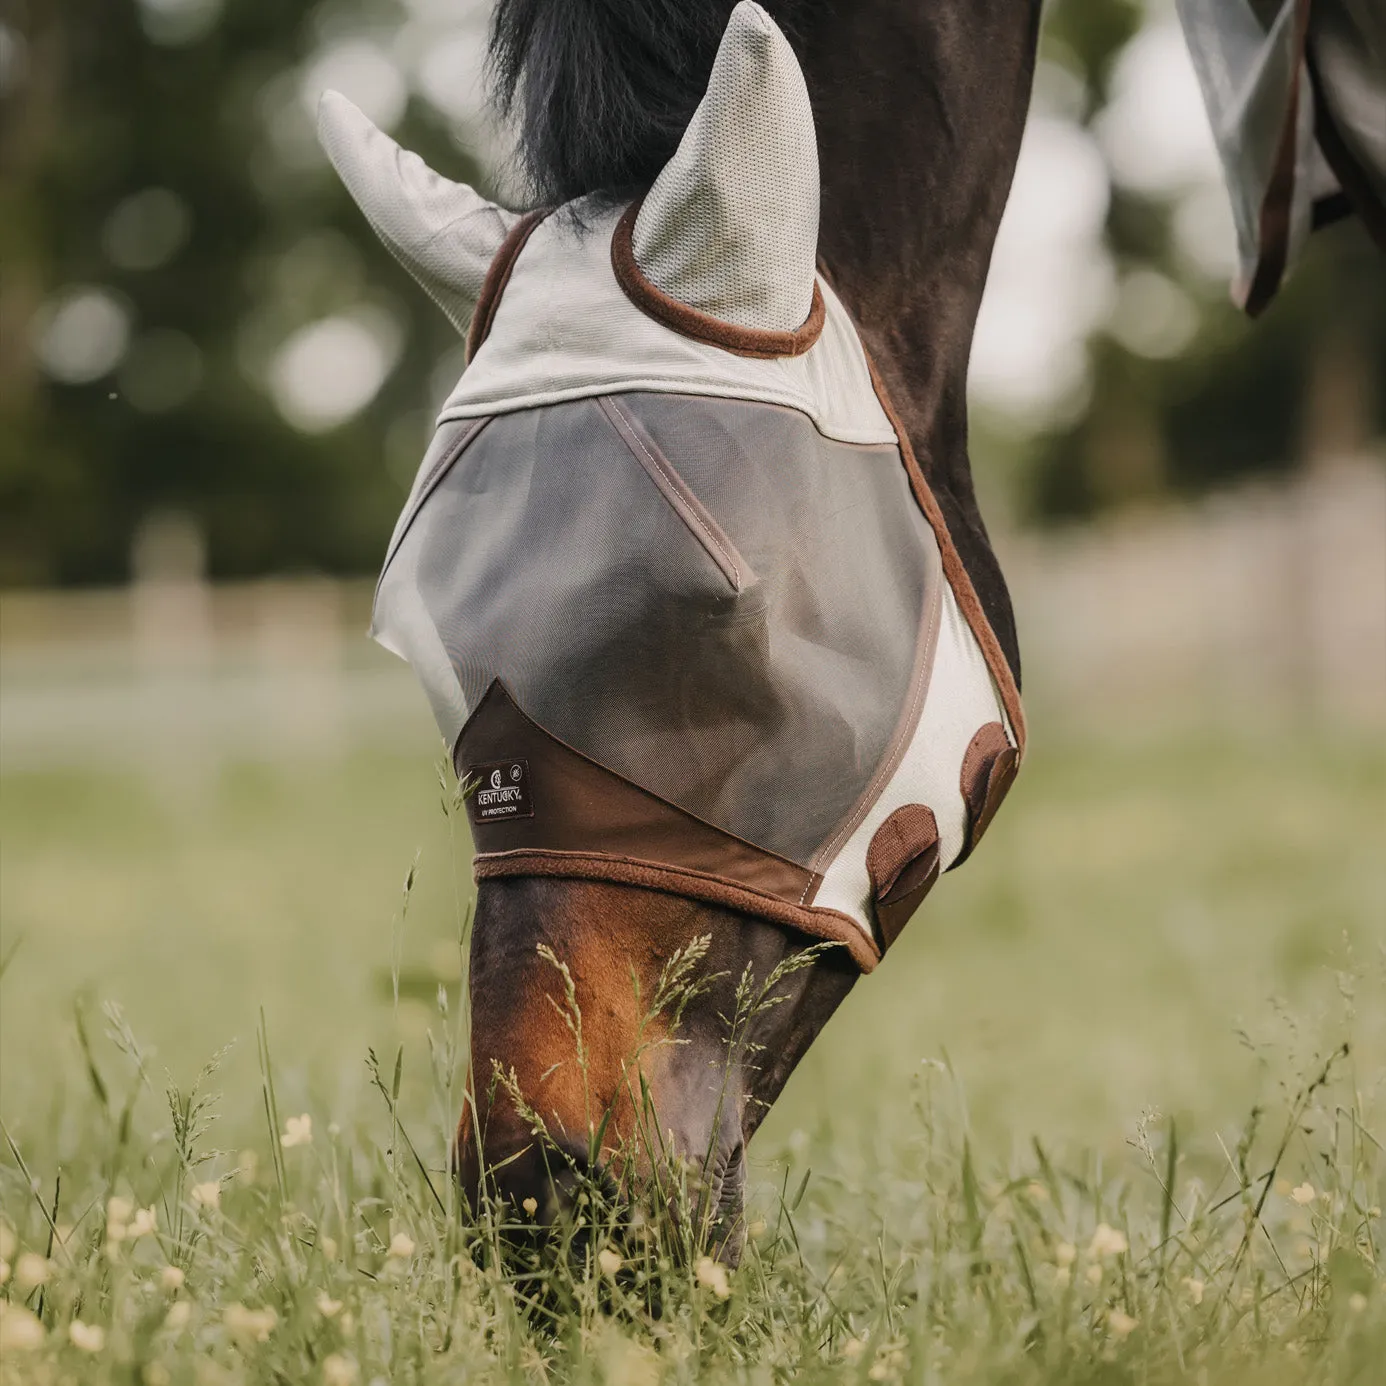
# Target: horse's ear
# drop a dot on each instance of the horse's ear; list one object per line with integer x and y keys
{"x": 442, "y": 232}
{"x": 730, "y": 226}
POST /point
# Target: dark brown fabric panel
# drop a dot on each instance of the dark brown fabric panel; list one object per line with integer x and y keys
{"x": 762, "y": 344}
{"x": 988, "y": 770}
{"x": 498, "y": 276}
{"x": 953, "y": 567}
{"x": 577, "y": 805}
{"x": 828, "y": 925}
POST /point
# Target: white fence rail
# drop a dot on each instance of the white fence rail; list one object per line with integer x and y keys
{"x": 1265, "y": 605}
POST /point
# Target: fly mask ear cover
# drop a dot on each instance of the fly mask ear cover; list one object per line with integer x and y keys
{"x": 670, "y": 574}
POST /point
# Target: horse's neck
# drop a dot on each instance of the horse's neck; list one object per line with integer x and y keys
{"x": 920, "y": 108}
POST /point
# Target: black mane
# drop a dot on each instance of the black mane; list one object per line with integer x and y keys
{"x": 600, "y": 90}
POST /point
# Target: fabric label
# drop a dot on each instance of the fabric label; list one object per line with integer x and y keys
{"x": 502, "y": 791}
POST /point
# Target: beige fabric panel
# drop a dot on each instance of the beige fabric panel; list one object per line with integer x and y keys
{"x": 564, "y": 330}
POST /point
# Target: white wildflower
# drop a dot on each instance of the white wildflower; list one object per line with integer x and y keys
{"x": 297, "y": 1131}
{"x": 339, "y": 1370}
{"x": 250, "y": 1325}
{"x": 327, "y": 1306}
{"x": 1120, "y": 1324}
{"x": 609, "y": 1261}
{"x": 207, "y": 1195}
{"x": 172, "y": 1278}
{"x": 1195, "y": 1288}
{"x": 145, "y": 1222}
{"x": 401, "y": 1246}
{"x": 88, "y": 1337}
{"x": 31, "y": 1271}
{"x": 712, "y": 1276}
{"x": 1107, "y": 1241}
{"x": 20, "y": 1330}
{"x": 1065, "y": 1254}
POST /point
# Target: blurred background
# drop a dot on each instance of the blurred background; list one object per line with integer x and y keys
{"x": 215, "y": 386}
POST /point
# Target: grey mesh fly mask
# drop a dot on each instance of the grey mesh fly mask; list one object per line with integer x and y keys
{"x": 673, "y": 581}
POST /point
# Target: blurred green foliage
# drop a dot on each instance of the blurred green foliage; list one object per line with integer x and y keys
{"x": 102, "y": 101}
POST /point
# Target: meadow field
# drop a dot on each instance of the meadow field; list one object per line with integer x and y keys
{"x": 1112, "y": 1111}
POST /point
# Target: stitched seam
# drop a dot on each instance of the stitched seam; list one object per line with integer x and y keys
{"x": 824, "y": 858}
{"x": 673, "y": 482}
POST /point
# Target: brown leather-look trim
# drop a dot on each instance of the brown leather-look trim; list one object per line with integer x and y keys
{"x": 963, "y": 591}
{"x": 828, "y": 925}
{"x": 903, "y": 862}
{"x": 761, "y": 343}
{"x": 498, "y": 276}
{"x": 1273, "y": 222}
{"x": 582, "y": 806}
{"x": 988, "y": 771}
{"x": 697, "y": 519}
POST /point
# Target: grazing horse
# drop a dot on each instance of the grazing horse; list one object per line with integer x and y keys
{"x": 693, "y": 572}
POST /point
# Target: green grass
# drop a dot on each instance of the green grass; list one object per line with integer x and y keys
{"x": 1122, "y": 1014}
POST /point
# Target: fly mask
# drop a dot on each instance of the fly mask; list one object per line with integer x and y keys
{"x": 685, "y": 609}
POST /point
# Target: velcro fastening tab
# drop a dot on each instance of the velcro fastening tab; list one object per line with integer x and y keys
{"x": 903, "y": 863}
{"x": 989, "y": 767}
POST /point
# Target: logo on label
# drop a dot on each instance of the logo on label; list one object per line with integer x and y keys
{"x": 501, "y": 791}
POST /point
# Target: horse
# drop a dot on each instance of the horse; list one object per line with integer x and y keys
{"x": 693, "y": 571}
{"x": 883, "y": 134}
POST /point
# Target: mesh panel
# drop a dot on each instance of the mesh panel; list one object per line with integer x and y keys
{"x": 731, "y": 224}
{"x": 707, "y": 596}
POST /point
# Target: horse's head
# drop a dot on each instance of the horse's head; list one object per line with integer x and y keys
{"x": 715, "y": 682}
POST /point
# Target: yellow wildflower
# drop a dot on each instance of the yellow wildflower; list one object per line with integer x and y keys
{"x": 327, "y": 1306}
{"x": 531, "y": 1206}
{"x": 172, "y": 1278}
{"x": 1195, "y": 1289}
{"x": 713, "y": 1277}
{"x": 31, "y": 1271}
{"x": 1120, "y": 1324}
{"x": 88, "y": 1337}
{"x": 1107, "y": 1241}
{"x": 608, "y": 1260}
{"x": 1303, "y": 1193}
{"x": 339, "y": 1370}
{"x": 20, "y": 1331}
{"x": 250, "y": 1325}
{"x": 401, "y": 1246}
{"x": 297, "y": 1131}
{"x": 207, "y": 1195}
{"x": 145, "y": 1221}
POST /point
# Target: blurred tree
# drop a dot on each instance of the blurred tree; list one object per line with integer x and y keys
{"x": 1233, "y": 397}
{"x": 159, "y": 225}
{"x": 179, "y": 271}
